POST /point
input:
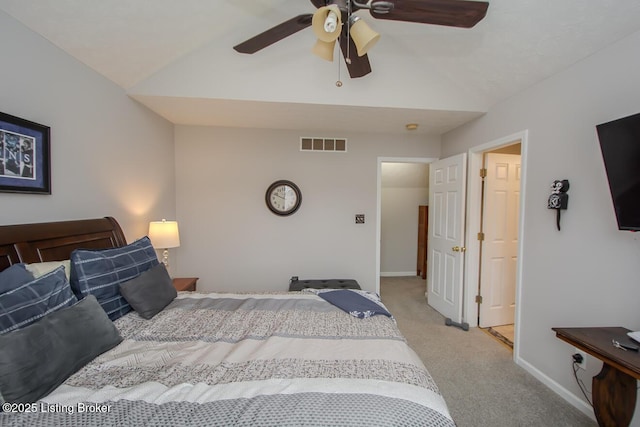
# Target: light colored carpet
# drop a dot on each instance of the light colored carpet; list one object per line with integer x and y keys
{"x": 476, "y": 373}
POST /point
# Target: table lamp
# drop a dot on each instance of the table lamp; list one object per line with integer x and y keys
{"x": 164, "y": 235}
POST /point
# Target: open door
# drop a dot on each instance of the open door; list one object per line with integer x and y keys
{"x": 500, "y": 245}
{"x": 447, "y": 186}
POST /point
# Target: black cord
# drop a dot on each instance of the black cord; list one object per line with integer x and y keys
{"x": 583, "y": 388}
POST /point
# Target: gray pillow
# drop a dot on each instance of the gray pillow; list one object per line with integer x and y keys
{"x": 150, "y": 292}
{"x": 36, "y": 359}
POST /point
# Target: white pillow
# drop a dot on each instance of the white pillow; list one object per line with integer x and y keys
{"x": 41, "y": 268}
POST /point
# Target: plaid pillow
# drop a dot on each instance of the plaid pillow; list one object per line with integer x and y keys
{"x": 25, "y": 304}
{"x": 100, "y": 272}
{"x": 14, "y": 276}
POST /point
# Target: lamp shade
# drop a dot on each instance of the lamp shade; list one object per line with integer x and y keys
{"x": 164, "y": 234}
{"x": 324, "y": 49}
{"x": 363, "y": 36}
{"x": 327, "y": 23}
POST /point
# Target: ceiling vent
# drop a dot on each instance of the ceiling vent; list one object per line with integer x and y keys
{"x": 323, "y": 144}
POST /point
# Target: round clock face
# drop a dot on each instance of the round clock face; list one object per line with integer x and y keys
{"x": 283, "y": 197}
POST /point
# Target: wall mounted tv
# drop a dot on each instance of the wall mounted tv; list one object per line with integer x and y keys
{"x": 620, "y": 146}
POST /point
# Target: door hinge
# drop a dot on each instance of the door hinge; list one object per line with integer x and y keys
{"x": 479, "y": 299}
{"x": 483, "y": 173}
{"x": 481, "y": 236}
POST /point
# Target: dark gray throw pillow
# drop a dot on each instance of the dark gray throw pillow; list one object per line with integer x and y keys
{"x": 36, "y": 359}
{"x": 150, "y": 292}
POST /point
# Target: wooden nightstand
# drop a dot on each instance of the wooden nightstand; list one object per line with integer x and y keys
{"x": 185, "y": 283}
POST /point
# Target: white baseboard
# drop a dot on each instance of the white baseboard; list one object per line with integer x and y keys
{"x": 574, "y": 400}
{"x": 397, "y": 273}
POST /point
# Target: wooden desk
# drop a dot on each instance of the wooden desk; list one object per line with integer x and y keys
{"x": 614, "y": 389}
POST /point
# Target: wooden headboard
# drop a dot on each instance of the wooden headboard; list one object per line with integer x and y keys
{"x": 54, "y": 241}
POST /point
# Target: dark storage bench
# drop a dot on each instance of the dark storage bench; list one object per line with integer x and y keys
{"x": 298, "y": 285}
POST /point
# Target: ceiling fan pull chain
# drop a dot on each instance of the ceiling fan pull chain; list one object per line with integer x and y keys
{"x": 347, "y": 58}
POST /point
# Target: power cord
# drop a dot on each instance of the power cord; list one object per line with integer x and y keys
{"x": 577, "y": 359}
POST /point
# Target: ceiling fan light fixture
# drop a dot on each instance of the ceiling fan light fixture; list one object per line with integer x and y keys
{"x": 324, "y": 49}
{"x": 327, "y": 23}
{"x": 363, "y": 36}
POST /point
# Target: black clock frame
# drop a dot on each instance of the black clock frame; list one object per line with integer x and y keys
{"x": 295, "y": 188}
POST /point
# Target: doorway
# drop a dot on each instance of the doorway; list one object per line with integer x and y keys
{"x": 379, "y": 241}
{"x": 498, "y": 241}
{"x": 474, "y": 227}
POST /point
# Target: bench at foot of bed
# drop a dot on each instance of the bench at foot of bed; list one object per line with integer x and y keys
{"x": 298, "y": 285}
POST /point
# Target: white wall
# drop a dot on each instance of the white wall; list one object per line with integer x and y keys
{"x": 404, "y": 187}
{"x": 233, "y": 242}
{"x": 586, "y": 274}
{"x": 110, "y": 156}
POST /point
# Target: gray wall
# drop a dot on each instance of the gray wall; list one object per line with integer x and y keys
{"x": 586, "y": 274}
{"x": 233, "y": 242}
{"x": 109, "y": 155}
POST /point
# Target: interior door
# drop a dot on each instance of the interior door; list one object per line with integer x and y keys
{"x": 500, "y": 246}
{"x": 447, "y": 185}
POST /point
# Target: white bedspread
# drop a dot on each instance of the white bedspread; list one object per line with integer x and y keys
{"x": 286, "y": 359}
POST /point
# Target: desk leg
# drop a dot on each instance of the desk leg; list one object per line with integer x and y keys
{"x": 614, "y": 397}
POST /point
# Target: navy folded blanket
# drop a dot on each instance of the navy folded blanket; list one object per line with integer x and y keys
{"x": 353, "y": 303}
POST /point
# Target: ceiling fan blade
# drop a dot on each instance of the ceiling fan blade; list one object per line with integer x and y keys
{"x": 275, "y": 34}
{"x": 359, "y": 65}
{"x": 452, "y": 13}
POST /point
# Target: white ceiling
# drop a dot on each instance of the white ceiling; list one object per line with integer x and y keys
{"x": 176, "y": 57}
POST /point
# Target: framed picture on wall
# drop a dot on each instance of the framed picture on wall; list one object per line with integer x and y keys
{"x": 25, "y": 164}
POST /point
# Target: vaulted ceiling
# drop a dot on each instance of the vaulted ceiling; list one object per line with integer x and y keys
{"x": 177, "y": 58}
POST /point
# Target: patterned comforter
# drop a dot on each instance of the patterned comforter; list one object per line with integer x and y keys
{"x": 285, "y": 359}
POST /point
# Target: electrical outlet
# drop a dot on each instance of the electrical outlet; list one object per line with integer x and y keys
{"x": 583, "y": 363}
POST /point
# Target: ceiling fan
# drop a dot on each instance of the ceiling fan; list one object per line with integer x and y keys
{"x": 327, "y": 23}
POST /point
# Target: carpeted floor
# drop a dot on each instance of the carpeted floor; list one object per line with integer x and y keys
{"x": 476, "y": 373}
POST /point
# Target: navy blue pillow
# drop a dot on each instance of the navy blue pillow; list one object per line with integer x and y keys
{"x": 13, "y": 277}
{"x": 25, "y": 304}
{"x": 100, "y": 273}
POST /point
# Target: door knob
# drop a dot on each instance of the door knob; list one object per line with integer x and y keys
{"x": 458, "y": 249}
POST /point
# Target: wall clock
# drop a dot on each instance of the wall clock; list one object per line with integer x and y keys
{"x": 283, "y": 197}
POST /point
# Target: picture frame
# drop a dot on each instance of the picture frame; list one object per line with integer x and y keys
{"x": 25, "y": 162}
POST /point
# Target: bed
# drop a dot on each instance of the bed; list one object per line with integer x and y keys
{"x": 278, "y": 359}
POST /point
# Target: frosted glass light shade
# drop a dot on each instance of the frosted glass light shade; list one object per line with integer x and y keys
{"x": 363, "y": 36}
{"x": 324, "y": 49}
{"x": 324, "y": 20}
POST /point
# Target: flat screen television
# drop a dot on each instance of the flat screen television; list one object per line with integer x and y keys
{"x": 620, "y": 146}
